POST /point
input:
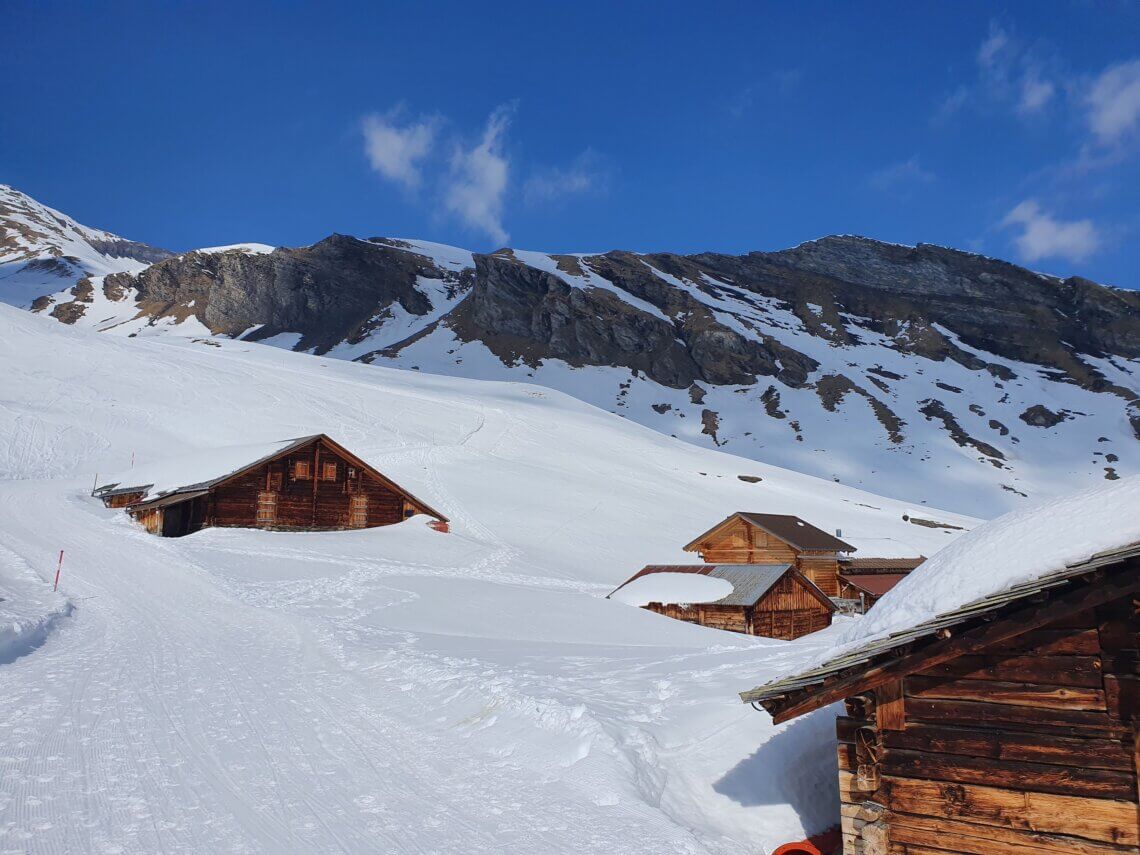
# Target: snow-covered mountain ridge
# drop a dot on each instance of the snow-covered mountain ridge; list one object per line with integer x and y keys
{"x": 42, "y": 250}
{"x": 921, "y": 372}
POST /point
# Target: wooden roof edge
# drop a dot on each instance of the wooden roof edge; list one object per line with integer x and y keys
{"x": 288, "y": 447}
{"x": 880, "y": 661}
{"x": 695, "y": 542}
{"x": 424, "y": 506}
{"x": 814, "y": 589}
{"x": 748, "y": 517}
{"x": 300, "y": 442}
{"x": 165, "y": 500}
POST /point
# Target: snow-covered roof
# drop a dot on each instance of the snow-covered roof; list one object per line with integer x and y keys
{"x": 997, "y": 563}
{"x": 201, "y": 470}
{"x": 739, "y": 584}
{"x": 672, "y": 587}
{"x": 195, "y": 470}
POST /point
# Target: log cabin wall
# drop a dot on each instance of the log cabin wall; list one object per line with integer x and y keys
{"x": 742, "y": 543}
{"x": 151, "y": 520}
{"x": 313, "y": 487}
{"x": 788, "y": 625}
{"x": 1028, "y": 749}
{"x": 822, "y": 568}
{"x": 788, "y": 610}
{"x": 122, "y": 500}
{"x": 730, "y": 618}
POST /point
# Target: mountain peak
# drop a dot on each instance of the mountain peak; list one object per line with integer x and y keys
{"x": 44, "y": 250}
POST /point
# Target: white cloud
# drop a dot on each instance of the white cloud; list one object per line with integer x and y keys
{"x": 1043, "y": 236}
{"x": 992, "y": 47}
{"x": 396, "y": 151}
{"x": 1009, "y": 76}
{"x": 478, "y": 179}
{"x": 951, "y": 104}
{"x": 1035, "y": 93}
{"x": 586, "y": 174}
{"x": 1113, "y": 102}
{"x": 901, "y": 177}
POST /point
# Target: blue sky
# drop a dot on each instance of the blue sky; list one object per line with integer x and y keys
{"x": 1012, "y": 130}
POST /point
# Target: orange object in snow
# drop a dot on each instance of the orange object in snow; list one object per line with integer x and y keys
{"x": 439, "y": 525}
{"x": 801, "y": 848}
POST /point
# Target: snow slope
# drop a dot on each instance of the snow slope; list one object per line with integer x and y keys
{"x": 876, "y": 412}
{"x": 395, "y": 689}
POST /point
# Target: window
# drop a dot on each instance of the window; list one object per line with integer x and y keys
{"x": 328, "y": 470}
{"x": 301, "y": 470}
{"x": 274, "y": 480}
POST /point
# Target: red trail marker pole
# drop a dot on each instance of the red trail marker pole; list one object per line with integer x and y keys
{"x": 58, "y": 568}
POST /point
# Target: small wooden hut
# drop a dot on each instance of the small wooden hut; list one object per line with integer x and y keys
{"x": 1008, "y": 725}
{"x": 773, "y": 600}
{"x": 751, "y": 538}
{"x": 306, "y": 484}
{"x": 863, "y": 580}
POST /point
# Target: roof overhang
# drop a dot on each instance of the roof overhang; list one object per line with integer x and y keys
{"x": 166, "y": 501}
{"x": 873, "y": 584}
{"x": 965, "y": 630}
{"x": 751, "y": 519}
{"x": 289, "y": 447}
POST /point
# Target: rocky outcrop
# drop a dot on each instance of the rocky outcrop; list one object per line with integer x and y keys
{"x": 329, "y": 292}
{"x": 734, "y": 344}
{"x": 1041, "y": 416}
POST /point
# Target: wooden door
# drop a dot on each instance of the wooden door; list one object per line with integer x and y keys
{"x": 266, "y": 508}
{"x": 358, "y": 510}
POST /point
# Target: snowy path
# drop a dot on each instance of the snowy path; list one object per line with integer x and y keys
{"x": 395, "y": 689}
{"x": 205, "y": 724}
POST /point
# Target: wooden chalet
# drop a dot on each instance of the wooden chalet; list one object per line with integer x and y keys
{"x": 1008, "y": 725}
{"x": 306, "y": 484}
{"x": 863, "y": 580}
{"x": 773, "y": 600}
{"x": 750, "y": 538}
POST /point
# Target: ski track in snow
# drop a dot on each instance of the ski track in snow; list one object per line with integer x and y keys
{"x": 392, "y": 690}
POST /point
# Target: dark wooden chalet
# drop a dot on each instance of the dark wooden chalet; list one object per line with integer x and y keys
{"x": 863, "y": 580}
{"x": 1009, "y": 725}
{"x": 306, "y": 484}
{"x": 749, "y": 538}
{"x": 773, "y": 600}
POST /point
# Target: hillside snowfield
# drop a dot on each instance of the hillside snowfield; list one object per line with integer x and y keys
{"x": 395, "y": 689}
{"x": 874, "y": 413}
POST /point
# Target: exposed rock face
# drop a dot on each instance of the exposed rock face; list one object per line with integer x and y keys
{"x": 329, "y": 292}
{"x": 841, "y": 349}
{"x": 44, "y": 251}
{"x": 1041, "y": 416}
{"x": 332, "y": 291}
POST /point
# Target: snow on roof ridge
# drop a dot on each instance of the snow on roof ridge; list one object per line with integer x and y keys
{"x": 177, "y": 473}
{"x": 1012, "y": 549}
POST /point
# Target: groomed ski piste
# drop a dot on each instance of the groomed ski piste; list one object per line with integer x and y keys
{"x": 395, "y": 689}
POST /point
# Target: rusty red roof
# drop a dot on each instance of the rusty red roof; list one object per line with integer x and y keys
{"x": 873, "y": 584}
{"x": 879, "y": 565}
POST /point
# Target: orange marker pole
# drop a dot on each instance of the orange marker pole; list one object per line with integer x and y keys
{"x": 58, "y": 568}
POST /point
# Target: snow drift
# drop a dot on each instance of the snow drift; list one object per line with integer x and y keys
{"x": 393, "y": 689}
